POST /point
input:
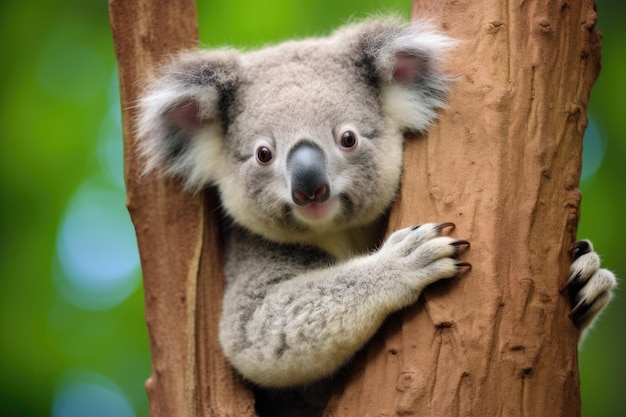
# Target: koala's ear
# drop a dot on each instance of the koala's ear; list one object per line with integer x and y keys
{"x": 183, "y": 115}
{"x": 404, "y": 58}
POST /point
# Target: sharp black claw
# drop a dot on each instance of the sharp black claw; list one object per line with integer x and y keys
{"x": 444, "y": 225}
{"x": 579, "y": 248}
{"x": 461, "y": 246}
{"x": 571, "y": 279}
{"x": 462, "y": 265}
{"x": 577, "y": 307}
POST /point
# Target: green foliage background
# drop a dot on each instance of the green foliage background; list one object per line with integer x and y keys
{"x": 73, "y": 341}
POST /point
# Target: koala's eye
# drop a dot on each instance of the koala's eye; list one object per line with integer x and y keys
{"x": 348, "y": 139}
{"x": 263, "y": 154}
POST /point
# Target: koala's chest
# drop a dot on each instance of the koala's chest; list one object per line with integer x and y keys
{"x": 352, "y": 242}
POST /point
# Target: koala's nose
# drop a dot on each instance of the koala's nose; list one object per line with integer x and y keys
{"x": 309, "y": 180}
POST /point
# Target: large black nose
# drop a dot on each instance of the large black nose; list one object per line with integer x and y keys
{"x": 309, "y": 180}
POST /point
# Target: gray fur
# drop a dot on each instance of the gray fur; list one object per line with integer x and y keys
{"x": 305, "y": 286}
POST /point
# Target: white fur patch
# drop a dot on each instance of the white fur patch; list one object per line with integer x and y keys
{"x": 203, "y": 162}
{"x": 406, "y": 110}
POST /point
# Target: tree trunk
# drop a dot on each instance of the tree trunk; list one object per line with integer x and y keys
{"x": 503, "y": 163}
{"x": 177, "y": 234}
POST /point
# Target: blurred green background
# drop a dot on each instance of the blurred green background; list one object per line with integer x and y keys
{"x": 73, "y": 341}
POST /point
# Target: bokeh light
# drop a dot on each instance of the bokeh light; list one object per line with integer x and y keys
{"x": 97, "y": 250}
{"x": 81, "y": 393}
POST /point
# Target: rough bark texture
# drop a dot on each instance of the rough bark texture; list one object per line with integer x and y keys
{"x": 177, "y": 235}
{"x": 503, "y": 163}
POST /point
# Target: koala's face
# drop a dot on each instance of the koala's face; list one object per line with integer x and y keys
{"x": 301, "y": 139}
{"x": 307, "y": 147}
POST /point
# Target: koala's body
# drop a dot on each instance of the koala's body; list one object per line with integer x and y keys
{"x": 304, "y": 143}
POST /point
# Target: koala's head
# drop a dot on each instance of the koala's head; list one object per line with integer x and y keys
{"x": 303, "y": 138}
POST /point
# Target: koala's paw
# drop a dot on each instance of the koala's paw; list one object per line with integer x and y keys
{"x": 590, "y": 287}
{"x": 422, "y": 255}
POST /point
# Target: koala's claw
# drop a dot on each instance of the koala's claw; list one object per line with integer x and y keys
{"x": 445, "y": 225}
{"x": 577, "y": 309}
{"x": 579, "y": 248}
{"x": 586, "y": 266}
{"x": 570, "y": 279}
{"x": 461, "y": 242}
{"x": 589, "y": 287}
{"x": 462, "y": 265}
{"x": 591, "y": 303}
{"x": 461, "y": 246}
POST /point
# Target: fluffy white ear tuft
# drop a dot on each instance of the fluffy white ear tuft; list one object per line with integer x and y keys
{"x": 183, "y": 114}
{"x": 406, "y": 58}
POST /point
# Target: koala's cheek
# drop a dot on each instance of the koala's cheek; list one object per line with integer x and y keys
{"x": 264, "y": 193}
{"x": 258, "y": 185}
{"x": 381, "y": 183}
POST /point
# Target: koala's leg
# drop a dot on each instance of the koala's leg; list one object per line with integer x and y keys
{"x": 291, "y": 316}
{"x": 590, "y": 287}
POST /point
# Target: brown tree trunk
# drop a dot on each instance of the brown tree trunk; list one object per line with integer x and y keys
{"x": 503, "y": 163}
{"x": 177, "y": 236}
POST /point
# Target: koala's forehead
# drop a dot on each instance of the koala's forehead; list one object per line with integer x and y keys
{"x": 304, "y": 83}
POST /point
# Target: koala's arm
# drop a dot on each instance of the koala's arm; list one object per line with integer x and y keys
{"x": 292, "y": 315}
{"x": 590, "y": 287}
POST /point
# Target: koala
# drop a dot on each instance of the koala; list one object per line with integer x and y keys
{"x": 303, "y": 142}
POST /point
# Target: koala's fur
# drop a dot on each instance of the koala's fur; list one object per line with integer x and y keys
{"x": 305, "y": 287}
{"x": 306, "y": 90}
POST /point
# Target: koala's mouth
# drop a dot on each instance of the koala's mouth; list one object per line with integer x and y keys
{"x": 317, "y": 212}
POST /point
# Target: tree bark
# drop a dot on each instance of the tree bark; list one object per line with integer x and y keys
{"x": 177, "y": 234}
{"x": 503, "y": 163}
